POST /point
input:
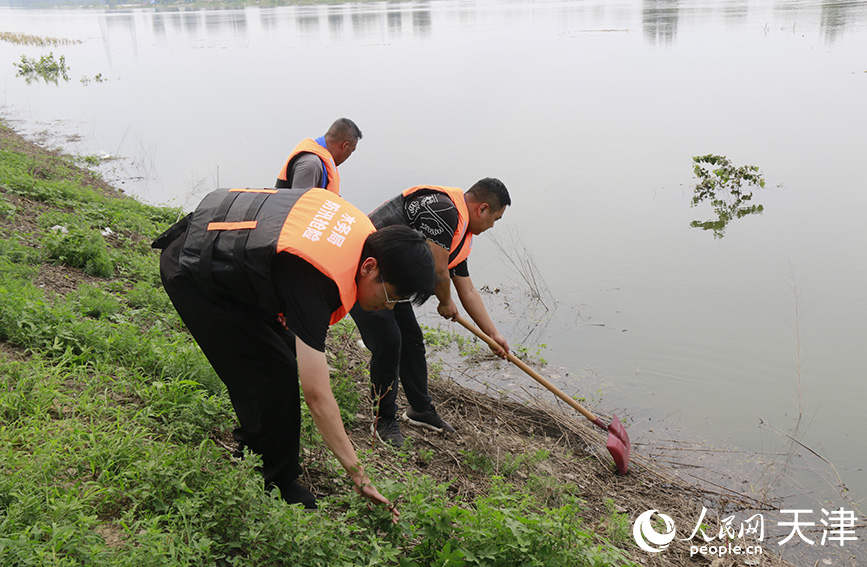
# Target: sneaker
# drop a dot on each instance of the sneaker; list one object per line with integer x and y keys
{"x": 294, "y": 493}
{"x": 428, "y": 419}
{"x": 388, "y": 431}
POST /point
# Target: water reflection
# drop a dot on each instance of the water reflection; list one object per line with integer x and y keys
{"x": 235, "y": 20}
{"x": 191, "y": 21}
{"x": 335, "y": 21}
{"x": 736, "y": 13}
{"x": 164, "y": 17}
{"x": 659, "y": 21}
{"x": 394, "y": 20}
{"x": 364, "y": 21}
{"x": 835, "y": 16}
{"x": 123, "y": 21}
{"x": 421, "y": 20}
{"x": 308, "y": 23}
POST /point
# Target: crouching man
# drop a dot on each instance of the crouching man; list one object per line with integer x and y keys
{"x": 449, "y": 218}
{"x": 258, "y": 275}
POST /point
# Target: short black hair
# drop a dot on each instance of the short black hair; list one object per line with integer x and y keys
{"x": 492, "y": 191}
{"x": 404, "y": 259}
{"x": 344, "y": 129}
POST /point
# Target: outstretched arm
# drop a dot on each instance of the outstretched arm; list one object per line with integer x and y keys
{"x": 471, "y": 299}
{"x": 443, "y": 290}
{"x": 313, "y": 374}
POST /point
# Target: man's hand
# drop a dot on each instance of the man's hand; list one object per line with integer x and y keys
{"x": 503, "y": 351}
{"x": 365, "y": 489}
{"x": 314, "y": 378}
{"x": 448, "y": 309}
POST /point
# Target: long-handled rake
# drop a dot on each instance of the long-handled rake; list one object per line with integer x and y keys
{"x": 618, "y": 440}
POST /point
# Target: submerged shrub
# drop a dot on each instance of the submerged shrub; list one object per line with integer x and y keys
{"x": 46, "y": 67}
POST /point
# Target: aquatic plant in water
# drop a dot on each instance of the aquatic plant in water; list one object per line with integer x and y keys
{"x": 46, "y": 67}
{"x": 726, "y": 187}
{"x": 38, "y": 40}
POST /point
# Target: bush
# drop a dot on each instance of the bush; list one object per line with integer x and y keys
{"x": 46, "y": 67}
{"x": 81, "y": 248}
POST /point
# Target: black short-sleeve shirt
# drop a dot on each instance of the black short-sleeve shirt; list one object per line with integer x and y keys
{"x": 434, "y": 214}
{"x": 307, "y": 298}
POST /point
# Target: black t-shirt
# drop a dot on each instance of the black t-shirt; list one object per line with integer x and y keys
{"x": 307, "y": 298}
{"x": 434, "y": 214}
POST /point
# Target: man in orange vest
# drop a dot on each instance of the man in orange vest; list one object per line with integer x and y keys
{"x": 313, "y": 163}
{"x": 257, "y": 276}
{"x": 449, "y": 218}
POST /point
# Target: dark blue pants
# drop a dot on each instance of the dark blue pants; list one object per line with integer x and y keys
{"x": 255, "y": 358}
{"x": 397, "y": 351}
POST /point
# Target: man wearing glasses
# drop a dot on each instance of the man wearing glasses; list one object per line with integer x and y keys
{"x": 257, "y": 276}
{"x": 448, "y": 218}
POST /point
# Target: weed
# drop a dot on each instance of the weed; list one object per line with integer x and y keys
{"x": 724, "y": 187}
{"x": 17, "y": 253}
{"x": 511, "y": 247}
{"x": 436, "y": 337}
{"x": 91, "y": 160}
{"x": 81, "y": 248}
{"x": 93, "y": 302}
{"x": 7, "y": 209}
{"x": 38, "y": 40}
{"x": 425, "y": 456}
{"x": 478, "y": 462}
{"x": 98, "y": 78}
{"x": 47, "y": 68}
{"x": 108, "y": 406}
{"x": 525, "y": 353}
{"x": 617, "y": 524}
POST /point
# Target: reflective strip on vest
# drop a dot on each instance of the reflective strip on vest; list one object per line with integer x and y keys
{"x": 232, "y": 225}
{"x": 462, "y": 233}
{"x": 248, "y": 190}
{"x": 310, "y": 146}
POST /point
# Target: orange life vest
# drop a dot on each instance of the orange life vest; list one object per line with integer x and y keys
{"x": 310, "y": 146}
{"x": 392, "y": 212}
{"x": 234, "y": 234}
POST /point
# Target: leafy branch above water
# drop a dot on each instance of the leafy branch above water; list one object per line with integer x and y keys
{"x": 46, "y": 67}
{"x": 727, "y": 188}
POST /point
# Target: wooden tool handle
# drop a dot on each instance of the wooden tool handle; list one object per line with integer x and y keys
{"x": 535, "y": 375}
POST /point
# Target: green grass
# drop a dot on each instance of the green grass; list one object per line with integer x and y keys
{"x": 109, "y": 411}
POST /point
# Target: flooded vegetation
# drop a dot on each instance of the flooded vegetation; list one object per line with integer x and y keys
{"x": 47, "y": 68}
{"x": 36, "y": 40}
{"x": 727, "y": 188}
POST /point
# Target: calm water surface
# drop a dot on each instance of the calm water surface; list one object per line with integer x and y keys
{"x": 590, "y": 112}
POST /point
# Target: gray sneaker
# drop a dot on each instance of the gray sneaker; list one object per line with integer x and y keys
{"x": 428, "y": 419}
{"x": 388, "y": 431}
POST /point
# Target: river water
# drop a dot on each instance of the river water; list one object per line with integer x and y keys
{"x": 590, "y": 112}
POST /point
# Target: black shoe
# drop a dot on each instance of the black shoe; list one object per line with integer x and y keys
{"x": 388, "y": 431}
{"x": 294, "y": 493}
{"x": 428, "y": 419}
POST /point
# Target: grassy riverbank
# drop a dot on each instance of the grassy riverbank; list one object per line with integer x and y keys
{"x": 115, "y": 445}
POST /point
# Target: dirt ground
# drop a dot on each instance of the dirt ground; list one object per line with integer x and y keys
{"x": 502, "y": 428}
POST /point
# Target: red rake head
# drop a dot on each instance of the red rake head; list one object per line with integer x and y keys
{"x": 619, "y": 445}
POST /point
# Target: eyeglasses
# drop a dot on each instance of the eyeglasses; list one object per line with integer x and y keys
{"x": 393, "y": 301}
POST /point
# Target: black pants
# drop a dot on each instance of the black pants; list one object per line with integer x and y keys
{"x": 396, "y": 343}
{"x": 255, "y": 358}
